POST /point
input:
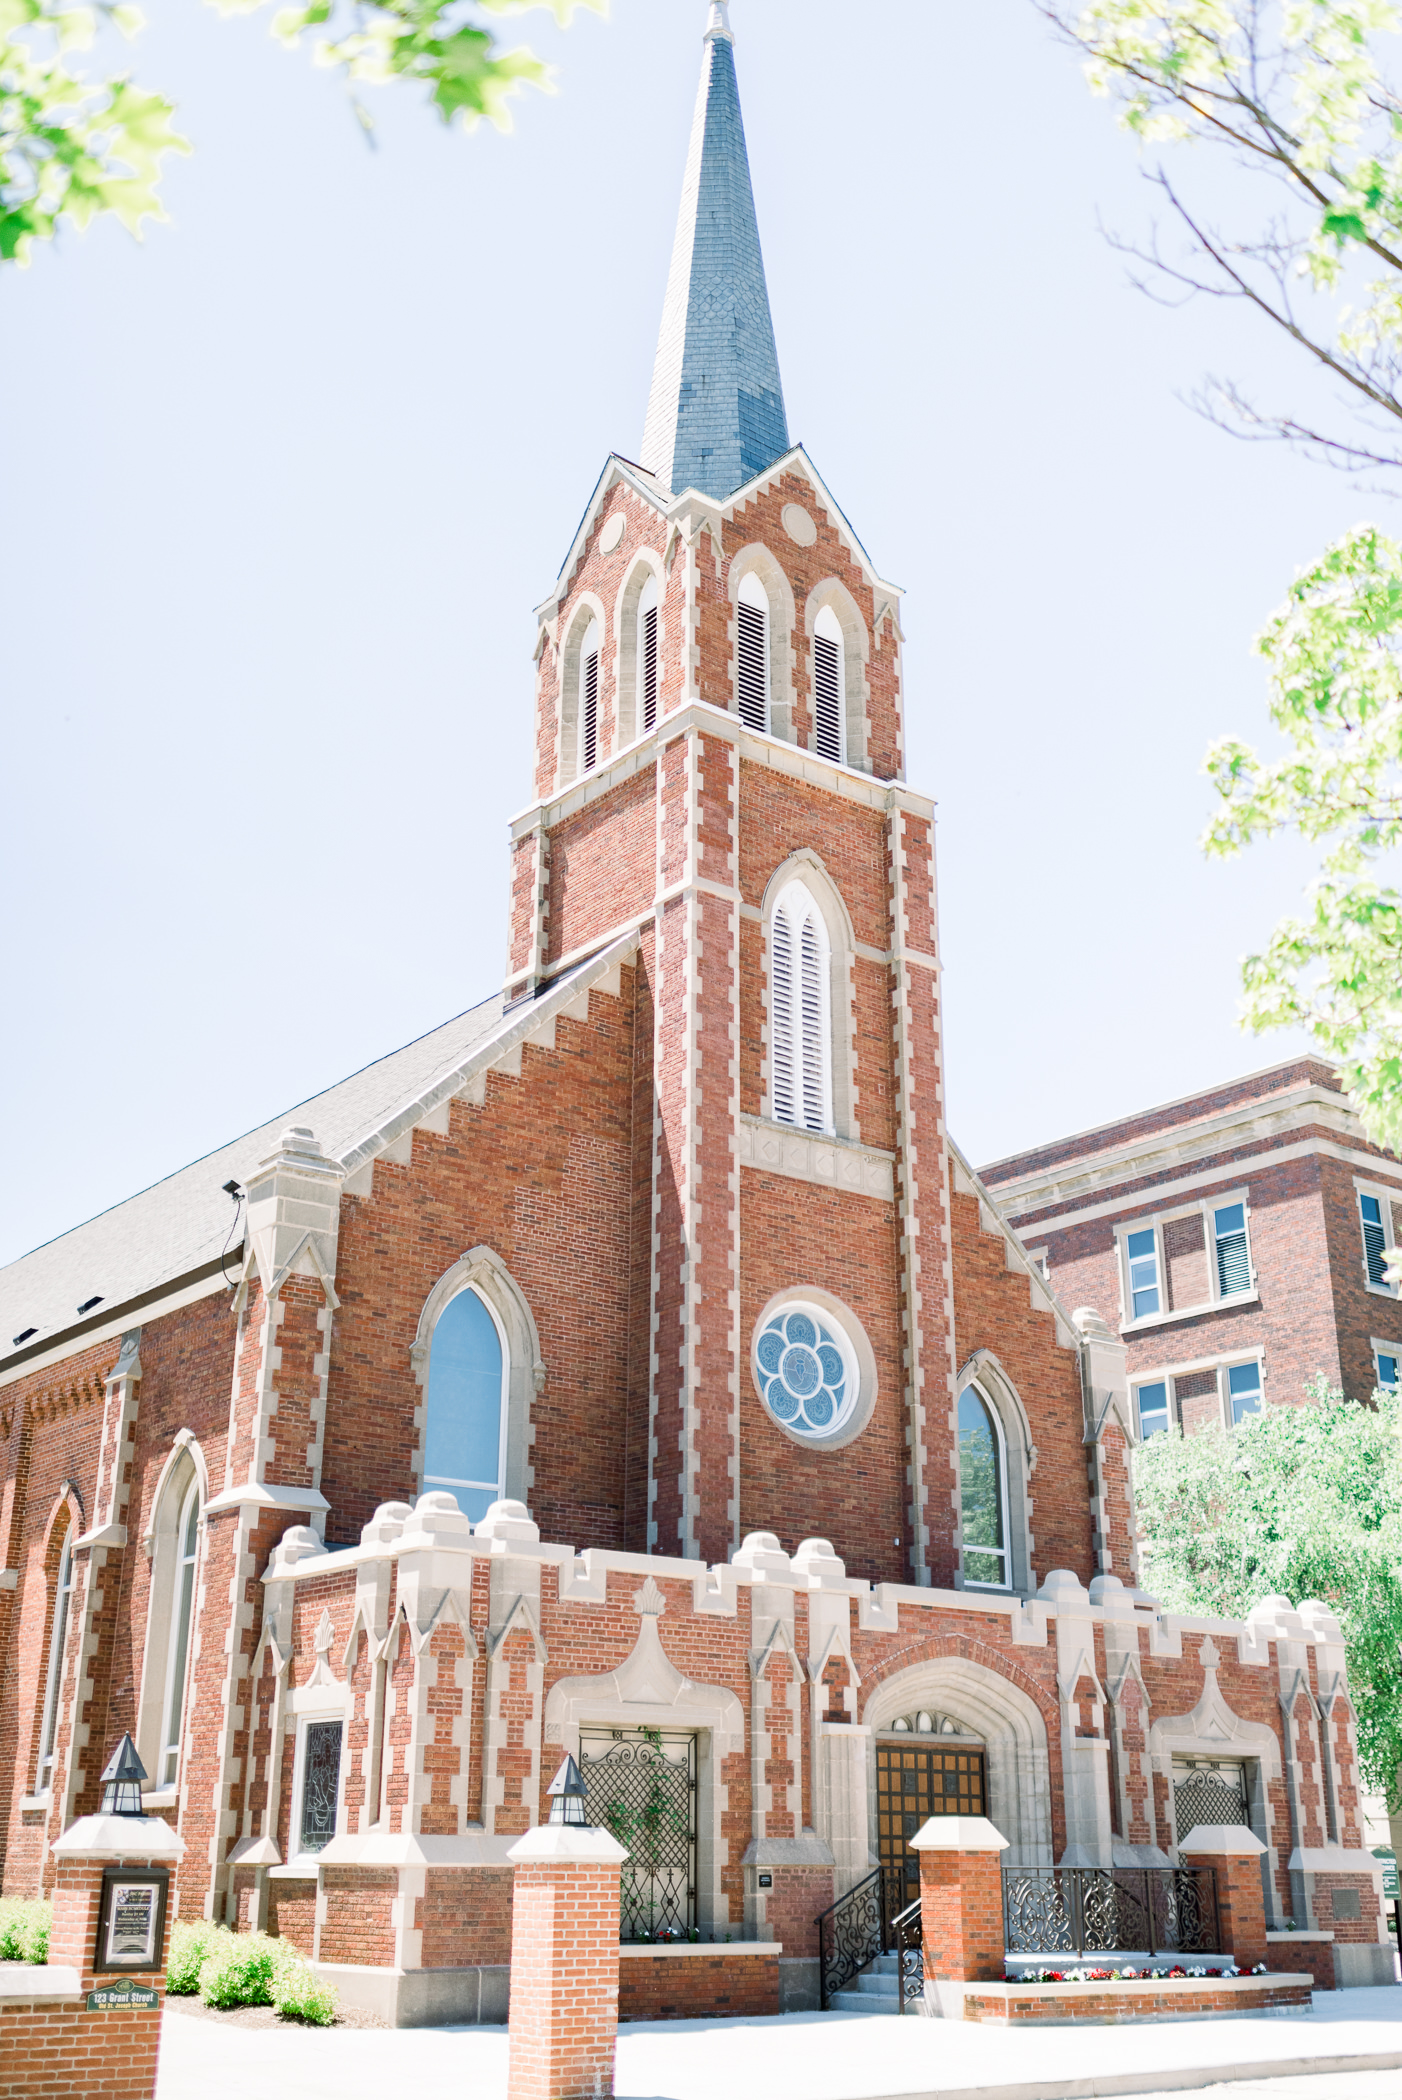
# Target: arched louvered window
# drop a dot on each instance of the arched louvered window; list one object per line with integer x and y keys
{"x": 647, "y": 657}
{"x": 752, "y": 653}
{"x": 589, "y": 700}
{"x": 800, "y": 1023}
{"x": 63, "y": 1593}
{"x": 829, "y": 689}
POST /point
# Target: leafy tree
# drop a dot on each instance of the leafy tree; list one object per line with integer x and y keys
{"x": 1299, "y": 1502}
{"x": 75, "y": 146}
{"x": 1295, "y": 95}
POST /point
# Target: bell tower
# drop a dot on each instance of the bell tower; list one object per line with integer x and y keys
{"x": 719, "y": 780}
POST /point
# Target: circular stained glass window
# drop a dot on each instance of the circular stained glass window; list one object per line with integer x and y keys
{"x": 806, "y": 1372}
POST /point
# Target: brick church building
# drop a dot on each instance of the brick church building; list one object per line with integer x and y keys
{"x": 634, "y": 1366}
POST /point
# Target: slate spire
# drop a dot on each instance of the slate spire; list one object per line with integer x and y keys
{"x": 716, "y": 418}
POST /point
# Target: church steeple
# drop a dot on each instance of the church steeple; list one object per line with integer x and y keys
{"x": 716, "y": 417}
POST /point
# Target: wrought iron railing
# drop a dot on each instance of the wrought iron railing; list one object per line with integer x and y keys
{"x": 908, "y": 1943}
{"x": 859, "y": 1926}
{"x": 1106, "y": 1910}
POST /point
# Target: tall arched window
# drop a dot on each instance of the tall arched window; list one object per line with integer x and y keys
{"x": 589, "y": 700}
{"x": 464, "y": 1434}
{"x": 63, "y": 1593}
{"x": 983, "y": 1493}
{"x": 647, "y": 657}
{"x": 752, "y": 653}
{"x": 800, "y": 1023}
{"x": 178, "y": 1653}
{"x": 829, "y": 688}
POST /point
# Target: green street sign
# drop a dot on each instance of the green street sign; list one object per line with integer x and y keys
{"x": 115, "y": 1994}
{"x": 1388, "y": 1862}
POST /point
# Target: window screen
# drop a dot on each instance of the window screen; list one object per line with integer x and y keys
{"x": 1374, "y": 1238}
{"x": 1233, "y": 1264}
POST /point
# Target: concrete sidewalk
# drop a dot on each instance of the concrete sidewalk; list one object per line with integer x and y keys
{"x": 815, "y": 2056}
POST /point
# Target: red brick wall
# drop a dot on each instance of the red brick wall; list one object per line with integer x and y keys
{"x": 1053, "y": 2007}
{"x": 292, "y": 1913}
{"x": 465, "y": 1918}
{"x": 716, "y": 1986}
{"x": 357, "y": 1926}
{"x": 57, "y": 2048}
{"x": 603, "y": 865}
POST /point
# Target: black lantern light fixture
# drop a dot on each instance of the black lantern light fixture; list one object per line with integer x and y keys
{"x": 122, "y": 1781}
{"x": 568, "y": 1797}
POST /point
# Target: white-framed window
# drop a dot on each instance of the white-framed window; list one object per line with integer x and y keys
{"x": 53, "y": 1676}
{"x": 465, "y": 1418}
{"x": 1154, "y": 1411}
{"x": 1386, "y": 1358}
{"x": 1233, "y": 1257}
{"x": 800, "y": 1016}
{"x": 1243, "y": 1391}
{"x": 178, "y": 1653}
{"x": 1375, "y": 1223}
{"x": 752, "y": 653}
{"x": 829, "y": 688}
{"x": 983, "y": 1493}
{"x": 1142, "y": 1255}
{"x": 1188, "y": 1261}
{"x": 589, "y": 699}
{"x": 648, "y": 666}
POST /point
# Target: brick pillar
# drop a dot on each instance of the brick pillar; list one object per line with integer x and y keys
{"x": 564, "y": 1964}
{"x": 961, "y": 1903}
{"x": 1235, "y": 1852}
{"x": 114, "y": 2051}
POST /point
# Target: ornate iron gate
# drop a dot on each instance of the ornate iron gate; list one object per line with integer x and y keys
{"x": 1206, "y": 1792}
{"x": 642, "y": 1788}
{"x": 1107, "y": 1910}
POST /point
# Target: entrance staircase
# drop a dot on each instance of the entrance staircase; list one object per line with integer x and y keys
{"x": 876, "y": 1989}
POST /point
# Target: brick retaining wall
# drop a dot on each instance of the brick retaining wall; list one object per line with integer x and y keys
{"x": 57, "y": 2048}
{"x": 1166, "y": 1998}
{"x": 719, "y": 1983}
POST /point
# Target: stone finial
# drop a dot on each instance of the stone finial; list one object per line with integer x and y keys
{"x": 649, "y": 1602}
{"x": 718, "y": 23}
{"x": 387, "y": 1524}
{"x": 1210, "y": 1654}
{"x": 299, "y": 1542}
{"x": 1090, "y": 1326}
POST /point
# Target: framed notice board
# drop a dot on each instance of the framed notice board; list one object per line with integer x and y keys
{"x": 131, "y": 1918}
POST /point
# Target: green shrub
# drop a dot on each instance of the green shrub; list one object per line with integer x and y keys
{"x": 298, "y": 1994}
{"x": 24, "y": 1929}
{"x": 240, "y": 1972}
{"x": 191, "y": 1946}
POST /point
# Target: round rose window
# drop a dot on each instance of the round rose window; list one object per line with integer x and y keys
{"x": 806, "y": 1372}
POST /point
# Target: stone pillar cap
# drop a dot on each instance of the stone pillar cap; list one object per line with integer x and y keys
{"x": 958, "y": 1834}
{"x": 567, "y": 1845}
{"x": 1228, "y": 1840}
{"x": 119, "y": 1837}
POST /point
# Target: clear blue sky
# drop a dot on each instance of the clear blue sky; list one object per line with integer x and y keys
{"x": 282, "y": 484}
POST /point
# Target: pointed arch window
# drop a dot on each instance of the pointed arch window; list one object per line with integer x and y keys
{"x": 647, "y": 656}
{"x": 800, "y": 1022}
{"x": 465, "y": 1425}
{"x": 829, "y": 688}
{"x": 752, "y": 653}
{"x": 178, "y": 1654}
{"x": 589, "y": 699}
{"x": 983, "y": 1493}
{"x": 63, "y": 1595}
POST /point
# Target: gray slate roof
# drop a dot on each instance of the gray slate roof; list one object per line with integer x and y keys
{"x": 182, "y": 1223}
{"x": 716, "y": 416}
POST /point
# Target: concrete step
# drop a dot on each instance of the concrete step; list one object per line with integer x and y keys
{"x": 853, "y": 2001}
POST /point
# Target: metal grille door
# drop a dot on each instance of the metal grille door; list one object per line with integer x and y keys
{"x": 912, "y": 1784}
{"x": 642, "y": 1788}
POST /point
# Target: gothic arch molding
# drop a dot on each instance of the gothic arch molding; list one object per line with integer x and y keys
{"x": 807, "y": 866}
{"x": 482, "y": 1269}
{"x": 646, "y": 566}
{"x": 991, "y": 1704}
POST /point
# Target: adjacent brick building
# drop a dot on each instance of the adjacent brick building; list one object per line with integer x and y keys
{"x": 1236, "y": 1240}
{"x": 633, "y": 1367}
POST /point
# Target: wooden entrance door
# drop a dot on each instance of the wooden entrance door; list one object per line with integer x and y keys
{"x": 914, "y": 1782}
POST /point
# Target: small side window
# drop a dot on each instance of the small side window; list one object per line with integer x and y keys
{"x": 1233, "y": 1260}
{"x": 983, "y": 1506}
{"x": 1244, "y": 1391}
{"x": 1370, "y": 1213}
{"x": 63, "y": 1593}
{"x": 1153, "y": 1409}
{"x": 321, "y": 1777}
{"x": 1386, "y": 1367}
{"x": 1143, "y": 1253}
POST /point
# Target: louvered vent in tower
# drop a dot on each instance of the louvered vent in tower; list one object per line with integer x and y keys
{"x": 589, "y": 712}
{"x": 752, "y": 654}
{"x": 800, "y": 1025}
{"x": 649, "y": 667}
{"x": 827, "y": 686}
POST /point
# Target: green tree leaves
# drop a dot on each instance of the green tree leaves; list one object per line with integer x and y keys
{"x": 1334, "y": 651}
{"x": 1302, "y": 1502}
{"x": 71, "y": 145}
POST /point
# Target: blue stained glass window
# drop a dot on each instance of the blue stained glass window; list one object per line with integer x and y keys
{"x": 462, "y": 1442}
{"x": 804, "y": 1374}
